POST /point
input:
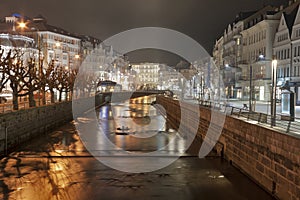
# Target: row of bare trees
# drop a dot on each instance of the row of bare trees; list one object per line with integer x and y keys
{"x": 25, "y": 77}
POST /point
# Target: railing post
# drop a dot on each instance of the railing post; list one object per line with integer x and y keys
{"x": 288, "y": 126}
{"x": 259, "y": 118}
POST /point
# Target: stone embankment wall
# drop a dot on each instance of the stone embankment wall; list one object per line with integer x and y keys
{"x": 269, "y": 157}
{"x": 18, "y": 126}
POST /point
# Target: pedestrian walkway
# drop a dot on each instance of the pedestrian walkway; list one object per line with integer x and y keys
{"x": 261, "y": 106}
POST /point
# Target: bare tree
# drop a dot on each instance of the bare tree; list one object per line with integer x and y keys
{"x": 24, "y": 79}
{"x": 62, "y": 80}
{"x": 3, "y": 68}
{"x": 50, "y": 77}
{"x": 31, "y": 79}
{"x": 15, "y": 71}
{"x": 71, "y": 81}
{"x": 85, "y": 83}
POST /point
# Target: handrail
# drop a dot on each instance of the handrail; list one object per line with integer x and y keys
{"x": 286, "y": 123}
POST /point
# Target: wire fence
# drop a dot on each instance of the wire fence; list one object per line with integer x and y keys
{"x": 284, "y": 123}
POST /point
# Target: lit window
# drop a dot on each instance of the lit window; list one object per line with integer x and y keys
{"x": 238, "y": 41}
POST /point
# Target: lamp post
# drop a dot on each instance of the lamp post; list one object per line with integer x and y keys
{"x": 260, "y": 57}
{"x": 250, "y": 88}
{"x": 273, "y": 92}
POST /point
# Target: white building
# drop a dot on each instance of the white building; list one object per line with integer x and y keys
{"x": 218, "y": 52}
{"x": 147, "y": 75}
{"x": 169, "y": 78}
{"x": 294, "y": 80}
{"x": 287, "y": 51}
{"x": 54, "y": 43}
{"x": 258, "y": 53}
{"x": 248, "y": 44}
{"x": 24, "y": 45}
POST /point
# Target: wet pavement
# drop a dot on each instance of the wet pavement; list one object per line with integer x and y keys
{"x": 58, "y": 166}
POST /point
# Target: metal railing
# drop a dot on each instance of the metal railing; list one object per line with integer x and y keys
{"x": 283, "y": 123}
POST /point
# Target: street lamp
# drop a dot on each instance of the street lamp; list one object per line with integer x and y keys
{"x": 273, "y": 92}
{"x": 250, "y": 89}
{"x": 273, "y": 88}
{"x": 260, "y": 58}
{"x": 22, "y": 25}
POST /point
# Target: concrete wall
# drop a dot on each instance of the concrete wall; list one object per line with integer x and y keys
{"x": 270, "y": 158}
{"x": 18, "y": 126}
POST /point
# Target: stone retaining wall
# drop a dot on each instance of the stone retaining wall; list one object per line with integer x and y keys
{"x": 269, "y": 157}
{"x": 18, "y": 126}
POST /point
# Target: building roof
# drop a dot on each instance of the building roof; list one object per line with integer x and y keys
{"x": 38, "y": 23}
{"x": 243, "y": 15}
{"x": 91, "y": 39}
{"x": 42, "y": 25}
{"x": 290, "y": 19}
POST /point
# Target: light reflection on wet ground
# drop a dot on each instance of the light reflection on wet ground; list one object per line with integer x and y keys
{"x": 57, "y": 166}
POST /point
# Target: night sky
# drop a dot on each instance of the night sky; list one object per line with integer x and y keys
{"x": 203, "y": 20}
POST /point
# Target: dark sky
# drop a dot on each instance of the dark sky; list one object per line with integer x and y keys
{"x": 203, "y": 20}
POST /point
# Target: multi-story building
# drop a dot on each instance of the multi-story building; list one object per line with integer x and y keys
{"x": 294, "y": 72}
{"x": 147, "y": 75}
{"x": 218, "y": 52}
{"x": 169, "y": 78}
{"x": 88, "y": 44}
{"x": 258, "y": 38}
{"x": 248, "y": 47}
{"x": 53, "y": 43}
{"x": 233, "y": 63}
{"x": 287, "y": 51}
{"x": 105, "y": 64}
{"x": 13, "y": 42}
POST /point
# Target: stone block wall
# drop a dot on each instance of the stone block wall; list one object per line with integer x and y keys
{"x": 18, "y": 126}
{"x": 269, "y": 157}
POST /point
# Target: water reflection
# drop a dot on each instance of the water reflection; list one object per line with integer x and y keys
{"x": 136, "y": 125}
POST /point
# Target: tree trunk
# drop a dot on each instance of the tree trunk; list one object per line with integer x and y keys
{"x": 60, "y": 94}
{"x": 70, "y": 95}
{"x": 66, "y": 95}
{"x": 89, "y": 92}
{"x": 43, "y": 95}
{"x": 31, "y": 100}
{"x": 15, "y": 101}
{"x": 52, "y": 96}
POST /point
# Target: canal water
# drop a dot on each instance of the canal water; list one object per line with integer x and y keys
{"x": 137, "y": 126}
{"x": 59, "y": 166}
